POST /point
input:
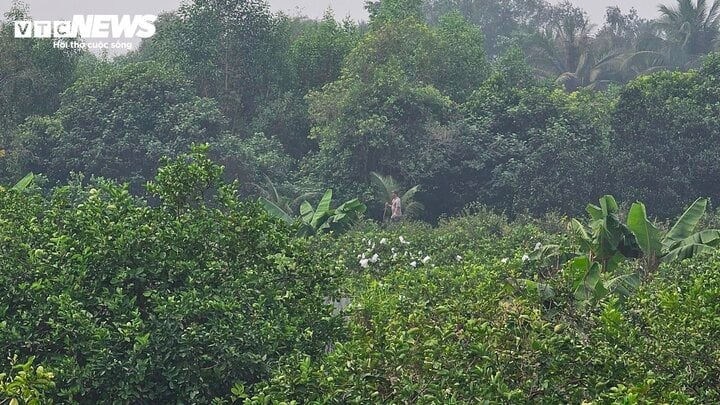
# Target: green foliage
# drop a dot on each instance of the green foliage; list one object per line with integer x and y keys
{"x": 33, "y": 74}
{"x": 25, "y": 384}
{"x": 364, "y": 127}
{"x": 664, "y": 140}
{"x": 178, "y": 300}
{"x": 527, "y": 137}
{"x": 452, "y": 331}
{"x": 118, "y": 124}
{"x": 279, "y": 205}
{"x": 500, "y": 21}
{"x": 692, "y": 27}
{"x": 321, "y": 219}
{"x": 610, "y": 242}
{"x": 228, "y": 49}
{"x": 23, "y": 184}
{"x": 452, "y": 335}
{"x": 318, "y": 53}
{"x": 388, "y": 12}
{"x": 393, "y": 109}
{"x": 249, "y": 160}
{"x": 326, "y": 219}
{"x": 190, "y": 294}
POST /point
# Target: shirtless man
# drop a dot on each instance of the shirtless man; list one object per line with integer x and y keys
{"x": 396, "y": 207}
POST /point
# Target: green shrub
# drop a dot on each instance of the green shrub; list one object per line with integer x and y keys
{"x": 174, "y": 301}
{"x": 26, "y": 384}
{"x": 464, "y": 333}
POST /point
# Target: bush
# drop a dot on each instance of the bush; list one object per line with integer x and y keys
{"x": 136, "y": 303}
{"x": 117, "y": 124}
{"x": 26, "y": 384}
{"x": 467, "y": 332}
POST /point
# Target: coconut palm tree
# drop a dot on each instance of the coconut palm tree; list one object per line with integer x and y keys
{"x": 567, "y": 53}
{"x": 385, "y": 185}
{"x": 691, "y": 28}
{"x": 582, "y": 66}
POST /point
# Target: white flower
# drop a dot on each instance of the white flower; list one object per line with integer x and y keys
{"x": 458, "y": 258}
{"x": 504, "y": 261}
{"x": 403, "y": 241}
{"x": 359, "y": 257}
{"x": 364, "y": 263}
{"x": 394, "y": 256}
{"x": 375, "y": 258}
{"x": 538, "y": 246}
{"x": 426, "y": 259}
{"x": 383, "y": 241}
{"x": 525, "y": 258}
{"x": 392, "y": 250}
{"x": 414, "y": 264}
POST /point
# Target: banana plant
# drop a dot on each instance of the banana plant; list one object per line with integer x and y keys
{"x": 609, "y": 242}
{"x": 24, "y": 182}
{"x": 606, "y": 244}
{"x": 323, "y": 218}
{"x": 280, "y": 205}
{"x": 681, "y": 242}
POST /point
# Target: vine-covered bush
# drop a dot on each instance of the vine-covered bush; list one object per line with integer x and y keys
{"x": 135, "y": 302}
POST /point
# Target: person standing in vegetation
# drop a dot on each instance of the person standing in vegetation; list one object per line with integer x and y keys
{"x": 395, "y": 207}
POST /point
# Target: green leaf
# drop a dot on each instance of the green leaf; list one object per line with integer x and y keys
{"x": 545, "y": 291}
{"x": 646, "y": 234}
{"x": 588, "y": 286}
{"x": 306, "y": 212}
{"x": 579, "y": 230}
{"x": 594, "y": 211}
{"x": 323, "y": 210}
{"x": 685, "y": 225}
{"x": 607, "y": 232}
{"x": 24, "y": 183}
{"x": 693, "y": 245}
{"x": 624, "y": 285}
{"x": 275, "y": 211}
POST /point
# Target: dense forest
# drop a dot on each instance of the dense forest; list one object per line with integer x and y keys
{"x": 205, "y": 218}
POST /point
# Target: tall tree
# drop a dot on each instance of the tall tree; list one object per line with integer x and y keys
{"x": 387, "y": 11}
{"x": 233, "y": 50}
{"x": 118, "y": 124}
{"x": 527, "y": 138}
{"x": 33, "y": 73}
{"x": 318, "y": 53}
{"x": 499, "y": 20}
{"x": 666, "y": 138}
{"x": 315, "y": 57}
{"x": 692, "y": 28}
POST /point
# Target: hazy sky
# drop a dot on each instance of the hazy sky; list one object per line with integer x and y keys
{"x": 56, "y": 9}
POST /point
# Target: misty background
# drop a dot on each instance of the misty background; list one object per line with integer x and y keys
{"x": 54, "y": 9}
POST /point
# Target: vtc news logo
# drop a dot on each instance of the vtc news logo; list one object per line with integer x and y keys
{"x": 89, "y": 26}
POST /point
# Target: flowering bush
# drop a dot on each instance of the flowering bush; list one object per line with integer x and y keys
{"x": 457, "y": 334}
{"x": 483, "y": 238}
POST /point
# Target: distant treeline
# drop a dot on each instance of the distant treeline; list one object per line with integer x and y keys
{"x": 520, "y": 105}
